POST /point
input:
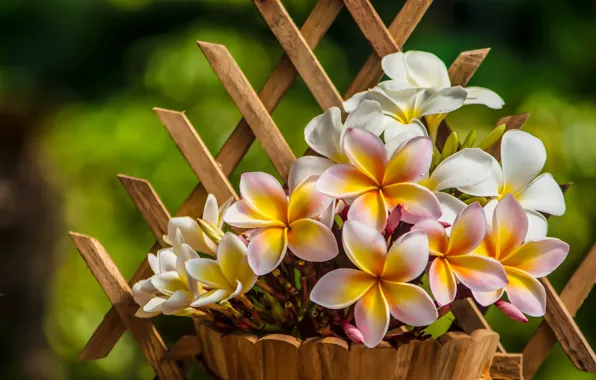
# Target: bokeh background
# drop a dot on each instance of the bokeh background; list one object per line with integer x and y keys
{"x": 78, "y": 80}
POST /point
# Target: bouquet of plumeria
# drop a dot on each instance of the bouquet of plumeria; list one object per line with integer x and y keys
{"x": 378, "y": 230}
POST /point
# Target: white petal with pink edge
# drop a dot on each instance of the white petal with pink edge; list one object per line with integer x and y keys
{"x": 306, "y": 202}
{"x": 409, "y": 303}
{"x": 480, "y": 273}
{"x": 312, "y": 241}
{"x": 267, "y": 249}
{"x": 241, "y": 215}
{"x": 450, "y": 208}
{"x": 364, "y": 246}
{"x": 370, "y": 208}
{"x": 442, "y": 281}
{"x": 539, "y": 258}
{"x": 344, "y": 181}
{"x": 510, "y": 225}
{"x": 467, "y": 231}
{"x": 526, "y": 293}
{"x": 365, "y": 151}
{"x": 410, "y": 162}
{"x": 488, "y": 298}
{"x": 263, "y": 193}
{"x": 372, "y": 316}
{"x": 437, "y": 236}
{"x": 407, "y": 258}
{"x": 418, "y": 202}
{"x": 341, "y": 288}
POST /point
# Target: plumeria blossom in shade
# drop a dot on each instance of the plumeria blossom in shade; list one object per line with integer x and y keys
{"x": 404, "y": 106}
{"x": 379, "y": 286}
{"x": 420, "y": 69}
{"x": 524, "y": 262}
{"x": 523, "y": 157}
{"x": 171, "y": 288}
{"x": 282, "y": 222}
{"x": 227, "y": 277}
{"x": 378, "y": 184}
{"x": 193, "y": 234}
{"x": 454, "y": 259}
{"x": 324, "y": 133}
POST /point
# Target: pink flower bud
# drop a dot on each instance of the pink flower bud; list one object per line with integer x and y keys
{"x": 394, "y": 219}
{"x": 444, "y": 310}
{"x": 511, "y": 311}
{"x": 445, "y": 224}
{"x": 352, "y": 332}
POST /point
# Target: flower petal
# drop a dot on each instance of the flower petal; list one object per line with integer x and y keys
{"x": 479, "y": 273}
{"x": 523, "y": 157}
{"x": 181, "y": 299}
{"x": 467, "y": 167}
{"x": 166, "y": 260}
{"x": 367, "y": 116}
{"x": 241, "y": 215}
{"x": 266, "y": 249}
{"x": 450, "y": 207}
{"x": 351, "y": 104}
{"x": 426, "y": 70}
{"x": 167, "y": 283}
{"x": 491, "y": 186}
{"x": 442, "y": 281}
{"x": 440, "y": 101}
{"x": 263, "y": 193}
{"x": 467, "y": 231}
{"x": 544, "y": 195}
{"x": 210, "y": 211}
{"x": 396, "y": 99}
{"x": 488, "y": 298}
{"x": 436, "y": 234}
{"x": 418, "y": 202}
{"x": 140, "y": 296}
{"x": 210, "y": 297}
{"x": 154, "y": 261}
{"x": 344, "y": 181}
{"x": 364, "y": 246}
{"x": 306, "y": 166}
{"x": 154, "y": 305}
{"x": 340, "y": 288}
{"x": 392, "y": 145}
{"x": 394, "y": 128}
{"x": 526, "y": 293}
{"x": 370, "y": 208}
{"x": 233, "y": 261}
{"x": 510, "y": 226}
{"x": 484, "y": 96}
{"x": 191, "y": 234}
{"x": 394, "y": 66}
{"x": 409, "y": 303}
{"x": 407, "y": 258}
{"x": 539, "y": 258}
{"x": 306, "y": 202}
{"x": 207, "y": 272}
{"x": 372, "y": 316}
{"x": 312, "y": 241}
{"x": 537, "y": 225}
{"x": 323, "y": 134}
{"x": 366, "y": 151}
{"x": 410, "y": 162}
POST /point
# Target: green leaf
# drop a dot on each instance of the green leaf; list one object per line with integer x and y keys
{"x": 481, "y": 200}
{"x": 470, "y": 139}
{"x": 492, "y": 137}
{"x": 451, "y": 146}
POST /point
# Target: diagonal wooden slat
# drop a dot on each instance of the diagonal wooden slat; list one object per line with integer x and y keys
{"x": 373, "y": 28}
{"x": 506, "y": 366}
{"x": 197, "y": 154}
{"x": 300, "y": 54}
{"x": 470, "y": 318}
{"x": 250, "y": 106}
{"x": 120, "y": 294}
{"x": 573, "y": 295}
{"x": 401, "y": 28}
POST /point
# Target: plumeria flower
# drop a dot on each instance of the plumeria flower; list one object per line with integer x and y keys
{"x": 420, "y": 69}
{"x": 171, "y": 286}
{"x": 454, "y": 259}
{"x": 192, "y": 234}
{"x": 523, "y": 157}
{"x": 228, "y": 276}
{"x": 378, "y": 184}
{"x": 379, "y": 286}
{"x": 524, "y": 262}
{"x": 324, "y": 133}
{"x": 404, "y": 106}
{"x": 282, "y": 222}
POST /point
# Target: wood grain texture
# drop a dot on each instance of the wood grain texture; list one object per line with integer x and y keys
{"x": 279, "y": 357}
{"x": 371, "y": 25}
{"x": 567, "y": 332}
{"x": 299, "y": 52}
{"x": 187, "y": 347}
{"x": 241, "y": 355}
{"x": 466, "y": 356}
{"x": 319, "y": 358}
{"x": 250, "y": 106}
{"x": 197, "y": 155}
{"x": 511, "y": 122}
{"x": 114, "y": 285}
{"x": 372, "y": 363}
{"x": 212, "y": 348}
{"x": 507, "y": 367}
{"x": 470, "y": 318}
{"x": 401, "y": 28}
{"x": 573, "y": 295}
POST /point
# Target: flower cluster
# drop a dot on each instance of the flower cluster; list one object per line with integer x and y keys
{"x": 386, "y": 227}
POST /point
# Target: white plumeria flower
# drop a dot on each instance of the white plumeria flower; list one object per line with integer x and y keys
{"x": 172, "y": 289}
{"x": 523, "y": 157}
{"x": 403, "y": 106}
{"x": 228, "y": 276}
{"x": 324, "y": 133}
{"x": 192, "y": 233}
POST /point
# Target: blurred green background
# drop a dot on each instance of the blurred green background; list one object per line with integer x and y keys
{"x": 78, "y": 80}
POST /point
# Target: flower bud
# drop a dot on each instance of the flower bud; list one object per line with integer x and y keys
{"x": 511, "y": 311}
{"x": 352, "y": 332}
{"x": 212, "y": 232}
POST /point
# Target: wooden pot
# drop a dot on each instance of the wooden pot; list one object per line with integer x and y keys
{"x": 237, "y": 355}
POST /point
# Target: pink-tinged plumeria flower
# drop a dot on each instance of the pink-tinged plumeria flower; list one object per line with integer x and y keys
{"x": 192, "y": 234}
{"x": 379, "y": 184}
{"x": 454, "y": 259}
{"x": 523, "y": 262}
{"x": 380, "y": 287}
{"x": 228, "y": 276}
{"x": 282, "y": 222}
{"x": 523, "y": 157}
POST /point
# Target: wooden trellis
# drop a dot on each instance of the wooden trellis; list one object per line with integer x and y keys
{"x": 298, "y": 44}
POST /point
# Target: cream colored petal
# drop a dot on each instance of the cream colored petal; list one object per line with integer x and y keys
{"x": 364, "y": 246}
{"x": 263, "y": 193}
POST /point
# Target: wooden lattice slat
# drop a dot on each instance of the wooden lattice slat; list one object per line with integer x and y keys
{"x": 257, "y": 122}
